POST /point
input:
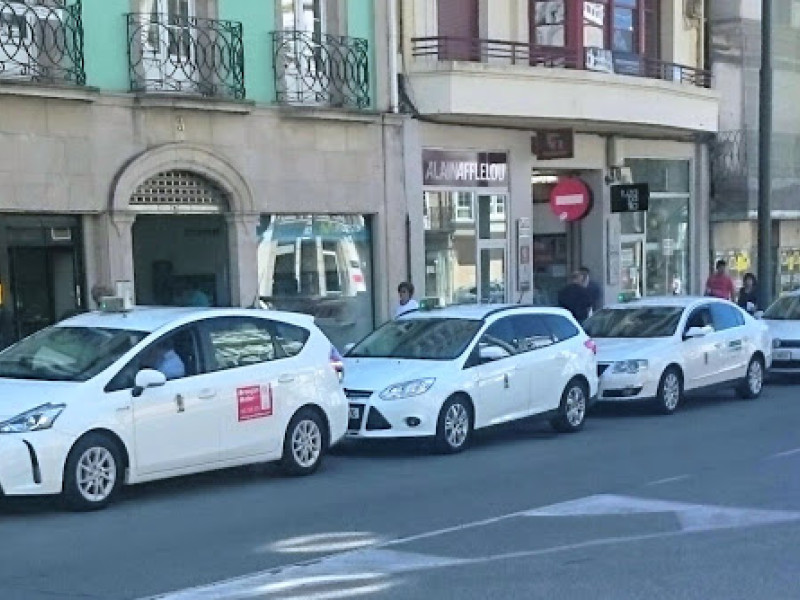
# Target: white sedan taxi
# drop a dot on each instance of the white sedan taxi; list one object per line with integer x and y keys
{"x": 783, "y": 320}
{"x": 658, "y": 348}
{"x": 108, "y": 398}
{"x": 445, "y": 372}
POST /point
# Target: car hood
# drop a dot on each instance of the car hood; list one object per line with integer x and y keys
{"x": 611, "y": 349}
{"x": 375, "y": 374}
{"x": 785, "y": 330}
{"x": 19, "y": 395}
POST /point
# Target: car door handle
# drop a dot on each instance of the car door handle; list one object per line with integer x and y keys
{"x": 207, "y": 393}
{"x": 286, "y": 379}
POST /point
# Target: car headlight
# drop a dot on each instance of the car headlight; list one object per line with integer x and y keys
{"x": 407, "y": 389}
{"x": 629, "y": 366}
{"x": 36, "y": 419}
{"x": 776, "y": 343}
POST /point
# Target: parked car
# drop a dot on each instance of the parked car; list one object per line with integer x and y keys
{"x": 446, "y": 372}
{"x": 103, "y": 399}
{"x": 659, "y": 348}
{"x": 783, "y": 320}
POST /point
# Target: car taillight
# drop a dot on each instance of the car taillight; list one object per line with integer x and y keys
{"x": 591, "y": 346}
{"x": 337, "y": 363}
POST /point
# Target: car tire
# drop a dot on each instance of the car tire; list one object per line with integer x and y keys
{"x": 454, "y": 426}
{"x": 93, "y": 473}
{"x": 572, "y": 409}
{"x": 304, "y": 444}
{"x": 753, "y": 382}
{"x": 670, "y": 391}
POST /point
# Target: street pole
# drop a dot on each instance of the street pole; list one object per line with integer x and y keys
{"x": 765, "y": 276}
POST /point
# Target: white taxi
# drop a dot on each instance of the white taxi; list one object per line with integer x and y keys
{"x": 658, "y": 348}
{"x": 783, "y": 320}
{"x": 443, "y": 373}
{"x": 103, "y": 399}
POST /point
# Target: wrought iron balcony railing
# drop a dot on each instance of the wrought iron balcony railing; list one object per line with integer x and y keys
{"x": 188, "y": 55}
{"x": 590, "y": 59}
{"x": 42, "y": 41}
{"x": 320, "y": 69}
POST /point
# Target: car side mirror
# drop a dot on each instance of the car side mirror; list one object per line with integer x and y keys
{"x": 759, "y": 314}
{"x": 147, "y": 378}
{"x": 489, "y": 354}
{"x": 348, "y": 347}
{"x": 698, "y": 332}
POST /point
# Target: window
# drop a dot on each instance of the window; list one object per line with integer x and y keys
{"x": 499, "y": 340}
{"x": 290, "y": 338}
{"x": 725, "y": 317}
{"x": 700, "y": 317}
{"x": 457, "y": 22}
{"x": 624, "y": 26}
{"x": 175, "y": 354}
{"x": 464, "y": 207}
{"x": 238, "y": 342}
{"x": 562, "y": 328}
{"x": 425, "y": 339}
{"x": 532, "y": 333}
{"x": 548, "y": 23}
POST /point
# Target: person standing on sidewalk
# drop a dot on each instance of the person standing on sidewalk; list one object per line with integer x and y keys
{"x": 406, "y": 302}
{"x": 719, "y": 283}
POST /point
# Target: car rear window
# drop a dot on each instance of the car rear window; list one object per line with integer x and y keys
{"x": 562, "y": 328}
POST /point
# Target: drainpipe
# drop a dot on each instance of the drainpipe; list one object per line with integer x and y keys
{"x": 393, "y": 89}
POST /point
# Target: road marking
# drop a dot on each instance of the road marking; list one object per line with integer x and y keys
{"x": 787, "y": 453}
{"x": 368, "y": 570}
{"x": 668, "y": 480}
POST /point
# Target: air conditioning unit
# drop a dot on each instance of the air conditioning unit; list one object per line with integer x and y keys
{"x": 693, "y": 9}
{"x": 23, "y": 29}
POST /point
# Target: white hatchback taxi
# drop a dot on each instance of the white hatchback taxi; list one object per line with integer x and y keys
{"x": 445, "y": 372}
{"x": 658, "y": 348}
{"x": 783, "y": 320}
{"x": 103, "y": 399}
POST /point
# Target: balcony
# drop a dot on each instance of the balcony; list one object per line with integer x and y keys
{"x": 190, "y": 56}
{"x": 313, "y": 69}
{"x": 42, "y": 43}
{"x": 494, "y": 80}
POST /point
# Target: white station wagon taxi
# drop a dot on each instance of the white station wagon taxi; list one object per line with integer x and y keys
{"x": 103, "y": 399}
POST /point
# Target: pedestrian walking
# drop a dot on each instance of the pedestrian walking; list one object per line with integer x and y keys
{"x": 575, "y": 297}
{"x": 592, "y": 289}
{"x": 719, "y": 283}
{"x": 406, "y": 301}
{"x": 748, "y": 294}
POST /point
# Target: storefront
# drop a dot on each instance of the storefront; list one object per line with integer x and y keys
{"x": 465, "y": 196}
{"x": 41, "y": 273}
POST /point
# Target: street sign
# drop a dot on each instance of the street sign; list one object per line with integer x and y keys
{"x": 570, "y": 199}
{"x": 630, "y": 197}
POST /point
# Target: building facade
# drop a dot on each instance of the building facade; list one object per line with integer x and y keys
{"x": 735, "y": 35}
{"x": 207, "y": 152}
{"x": 528, "y": 115}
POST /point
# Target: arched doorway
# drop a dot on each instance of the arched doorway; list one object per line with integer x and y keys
{"x": 180, "y": 241}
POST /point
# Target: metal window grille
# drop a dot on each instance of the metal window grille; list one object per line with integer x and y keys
{"x": 179, "y": 188}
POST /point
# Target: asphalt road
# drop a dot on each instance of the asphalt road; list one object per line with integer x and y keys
{"x": 702, "y": 504}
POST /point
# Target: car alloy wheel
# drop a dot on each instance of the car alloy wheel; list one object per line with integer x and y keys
{"x": 754, "y": 380}
{"x": 304, "y": 444}
{"x": 572, "y": 410}
{"x": 454, "y": 426}
{"x": 670, "y": 391}
{"x": 92, "y": 473}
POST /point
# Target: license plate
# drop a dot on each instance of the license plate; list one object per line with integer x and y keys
{"x": 783, "y": 355}
{"x": 355, "y": 412}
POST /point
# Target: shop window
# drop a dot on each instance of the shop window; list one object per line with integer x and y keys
{"x": 549, "y": 267}
{"x": 319, "y": 265}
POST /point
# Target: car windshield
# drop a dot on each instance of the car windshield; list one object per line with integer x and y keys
{"x": 426, "y": 339}
{"x": 784, "y": 309}
{"x": 639, "y": 322}
{"x": 66, "y": 353}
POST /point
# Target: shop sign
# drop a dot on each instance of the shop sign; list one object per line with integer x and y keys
{"x": 570, "y": 199}
{"x": 599, "y": 59}
{"x": 549, "y": 144}
{"x": 630, "y": 197}
{"x": 456, "y": 168}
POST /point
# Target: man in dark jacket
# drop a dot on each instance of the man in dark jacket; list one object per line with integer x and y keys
{"x": 575, "y": 298}
{"x": 595, "y": 295}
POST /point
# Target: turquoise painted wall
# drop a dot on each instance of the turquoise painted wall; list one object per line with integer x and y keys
{"x": 106, "y": 45}
{"x": 361, "y": 23}
{"x": 258, "y": 20}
